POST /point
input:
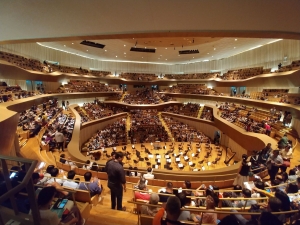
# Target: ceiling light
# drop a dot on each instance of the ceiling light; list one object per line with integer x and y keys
{"x": 158, "y": 58}
{"x": 142, "y": 57}
{"x": 178, "y": 55}
{"x": 87, "y": 50}
{"x": 116, "y": 56}
{"x": 160, "y": 55}
{"x": 145, "y": 47}
{"x": 193, "y": 57}
{"x": 208, "y": 53}
{"x": 212, "y": 56}
{"x": 155, "y": 48}
{"x": 124, "y": 45}
{"x": 235, "y": 39}
{"x": 72, "y": 43}
{"x": 105, "y": 50}
{"x": 214, "y": 48}
{"x": 166, "y": 59}
{"x": 64, "y": 45}
{"x": 132, "y": 38}
{"x": 234, "y": 47}
{"x": 166, "y": 48}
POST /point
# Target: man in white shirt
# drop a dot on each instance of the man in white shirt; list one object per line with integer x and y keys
{"x": 68, "y": 183}
{"x": 148, "y": 175}
{"x": 59, "y": 138}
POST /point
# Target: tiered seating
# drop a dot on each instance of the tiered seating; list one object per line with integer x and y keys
{"x": 191, "y": 89}
{"x": 207, "y": 113}
{"x": 146, "y": 127}
{"x": 243, "y": 73}
{"x": 165, "y": 98}
{"x": 185, "y": 133}
{"x": 250, "y": 119}
{"x": 138, "y": 76}
{"x": 86, "y": 86}
{"x": 192, "y": 76}
{"x": 64, "y": 122}
{"x": 32, "y": 120}
{"x": 92, "y": 111}
{"x": 10, "y": 93}
{"x": 189, "y": 109}
{"x": 295, "y": 65}
{"x": 112, "y": 135}
{"x": 24, "y": 63}
{"x": 145, "y": 96}
{"x": 114, "y": 97}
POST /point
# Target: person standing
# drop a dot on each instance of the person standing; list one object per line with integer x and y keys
{"x": 274, "y": 162}
{"x": 63, "y": 104}
{"x": 67, "y": 108}
{"x": 243, "y": 175}
{"x": 60, "y": 138}
{"x": 116, "y": 181}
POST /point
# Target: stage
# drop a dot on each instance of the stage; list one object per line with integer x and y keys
{"x": 175, "y": 156}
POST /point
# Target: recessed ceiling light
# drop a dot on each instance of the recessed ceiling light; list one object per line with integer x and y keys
{"x": 145, "y": 47}
{"x": 214, "y": 48}
{"x": 64, "y": 45}
{"x": 125, "y": 53}
{"x": 233, "y": 47}
{"x": 193, "y": 57}
{"x": 116, "y": 56}
{"x": 132, "y": 38}
{"x": 72, "y": 43}
{"x": 105, "y": 50}
{"x": 235, "y": 39}
{"x": 166, "y": 48}
{"x": 87, "y": 50}
{"x": 178, "y": 55}
{"x": 208, "y": 53}
{"x": 160, "y": 55}
{"x": 155, "y": 48}
{"x": 142, "y": 57}
{"x": 124, "y": 45}
{"x": 166, "y": 59}
{"x": 212, "y": 56}
{"x": 158, "y": 58}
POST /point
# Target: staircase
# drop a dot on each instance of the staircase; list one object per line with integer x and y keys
{"x": 164, "y": 124}
{"x": 121, "y": 99}
{"x": 200, "y": 112}
{"x": 22, "y": 142}
{"x": 128, "y": 126}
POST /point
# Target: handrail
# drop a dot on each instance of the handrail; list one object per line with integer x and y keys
{"x": 197, "y": 209}
{"x": 26, "y": 179}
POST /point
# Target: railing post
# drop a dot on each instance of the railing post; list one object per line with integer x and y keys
{"x": 8, "y": 186}
{"x": 32, "y": 200}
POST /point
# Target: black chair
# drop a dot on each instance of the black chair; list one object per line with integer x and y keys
{"x": 149, "y": 164}
{"x": 146, "y": 158}
{"x": 141, "y": 159}
{"x": 135, "y": 161}
{"x": 201, "y": 162}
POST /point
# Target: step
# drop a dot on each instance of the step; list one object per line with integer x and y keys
{"x": 51, "y": 157}
{"x": 45, "y": 157}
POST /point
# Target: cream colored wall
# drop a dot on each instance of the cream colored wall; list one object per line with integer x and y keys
{"x": 268, "y": 56}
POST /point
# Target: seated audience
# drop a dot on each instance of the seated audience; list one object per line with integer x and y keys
{"x": 151, "y": 210}
{"x": 91, "y": 184}
{"x": 68, "y": 183}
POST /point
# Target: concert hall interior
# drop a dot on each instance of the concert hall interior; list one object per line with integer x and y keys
{"x": 184, "y": 89}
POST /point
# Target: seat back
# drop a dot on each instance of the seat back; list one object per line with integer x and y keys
{"x": 83, "y": 196}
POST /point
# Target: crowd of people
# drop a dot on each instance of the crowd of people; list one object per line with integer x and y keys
{"x": 112, "y": 135}
{"x": 207, "y": 114}
{"x": 146, "y": 127}
{"x": 183, "y": 132}
{"x": 36, "y": 117}
{"x": 189, "y": 109}
{"x": 145, "y": 96}
{"x": 138, "y": 76}
{"x": 11, "y": 93}
{"x": 192, "y": 76}
{"x": 191, "y": 89}
{"x": 85, "y": 86}
{"x": 58, "y": 134}
{"x": 97, "y": 110}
